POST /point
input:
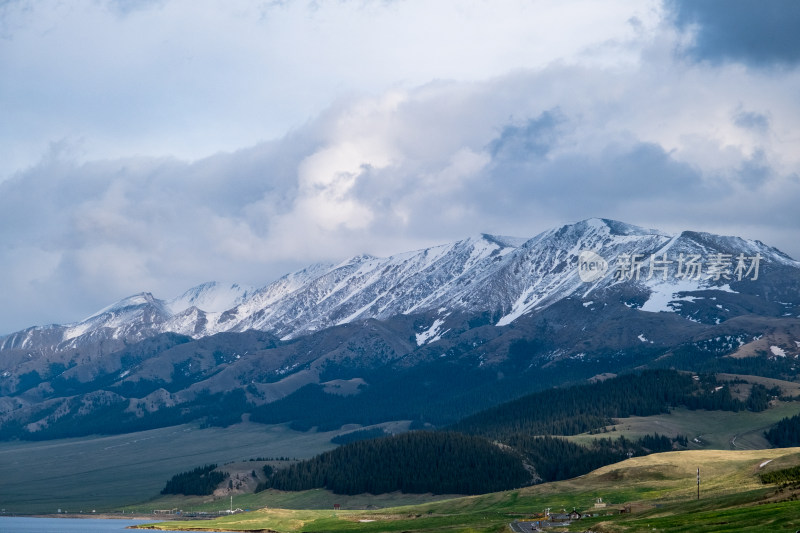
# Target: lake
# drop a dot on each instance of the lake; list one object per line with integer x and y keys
{"x": 14, "y": 524}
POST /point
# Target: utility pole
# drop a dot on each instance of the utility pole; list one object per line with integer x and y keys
{"x": 232, "y": 500}
{"x": 698, "y": 483}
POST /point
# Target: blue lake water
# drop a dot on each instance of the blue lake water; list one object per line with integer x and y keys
{"x": 14, "y": 524}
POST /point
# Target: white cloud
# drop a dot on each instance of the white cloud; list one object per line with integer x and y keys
{"x": 188, "y": 79}
{"x": 387, "y": 135}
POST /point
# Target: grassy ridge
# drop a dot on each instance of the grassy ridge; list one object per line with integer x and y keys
{"x": 661, "y": 487}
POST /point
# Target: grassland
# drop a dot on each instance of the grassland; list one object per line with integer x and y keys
{"x": 720, "y": 430}
{"x": 309, "y": 499}
{"x": 113, "y": 473}
{"x": 661, "y": 490}
{"x": 788, "y": 388}
{"x": 110, "y": 473}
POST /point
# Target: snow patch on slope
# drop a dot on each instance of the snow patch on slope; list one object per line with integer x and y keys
{"x": 431, "y": 334}
{"x": 777, "y": 351}
{"x": 664, "y": 293}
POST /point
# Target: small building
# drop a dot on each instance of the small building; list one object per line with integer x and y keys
{"x": 599, "y": 503}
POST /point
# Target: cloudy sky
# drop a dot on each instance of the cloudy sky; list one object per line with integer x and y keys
{"x": 151, "y": 145}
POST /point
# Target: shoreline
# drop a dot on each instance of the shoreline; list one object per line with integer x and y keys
{"x": 153, "y": 520}
{"x": 98, "y": 516}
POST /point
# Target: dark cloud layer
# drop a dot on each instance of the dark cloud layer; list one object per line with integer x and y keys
{"x": 758, "y": 33}
{"x": 531, "y": 140}
{"x": 757, "y": 122}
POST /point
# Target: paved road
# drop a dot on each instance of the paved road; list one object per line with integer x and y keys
{"x": 524, "y": 527}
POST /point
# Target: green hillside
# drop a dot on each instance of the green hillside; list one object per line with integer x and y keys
{"x": 660, "y": 490}
{"x": 128, "y": 471}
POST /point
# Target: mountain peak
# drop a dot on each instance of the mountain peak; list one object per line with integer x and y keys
{"x": 211, "y": 296}
{"x": 504, "y": 241}
{"x": 614, "y": 227}
{"x": 135, "y": 301}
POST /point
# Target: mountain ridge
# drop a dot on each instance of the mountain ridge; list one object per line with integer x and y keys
{"x": 428, "y": 335}
{"x": 452, "y": 276}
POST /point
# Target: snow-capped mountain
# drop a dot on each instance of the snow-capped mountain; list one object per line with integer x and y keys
{"x": 462, "y": 324}
{"x": 369, "y": 287}
{"x": 212, "y": 297}
{"x": 654, "y": 269}
{"x": 507, "y": 277}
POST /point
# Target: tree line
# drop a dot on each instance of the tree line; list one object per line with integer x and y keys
{"x": 361, "y": 434}
{"x": 785, "y": 433}
{"x": 200, "y": 481}
{"x": 453, "y": 463}
{"x": 783, "y": 476}
{"x": 413, "y": 462}
{"x": 582, "y": 408}
{"x": 556, "y": 458}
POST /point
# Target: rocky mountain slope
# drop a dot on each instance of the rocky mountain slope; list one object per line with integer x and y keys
{"x": 486, "y": 314}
